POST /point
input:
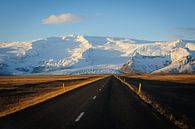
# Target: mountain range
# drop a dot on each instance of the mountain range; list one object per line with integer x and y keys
{"x": 78, "y": 54}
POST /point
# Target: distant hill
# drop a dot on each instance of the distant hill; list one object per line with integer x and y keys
{"x": 77, "y": 54}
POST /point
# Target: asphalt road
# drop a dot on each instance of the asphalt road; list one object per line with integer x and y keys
{"x": 105, "y": 104}
{"x": 177, "y": 98}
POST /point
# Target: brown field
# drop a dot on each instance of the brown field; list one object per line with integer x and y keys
{"x": 21, "y": 80}
{"x": 19, "y": 92}
{"x": 172, "y": 95}
{"x": 178, "y": 78}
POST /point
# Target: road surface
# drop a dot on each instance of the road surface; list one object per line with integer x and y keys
{"x": 104, "y": 104}
{"x": 177, "y": 98}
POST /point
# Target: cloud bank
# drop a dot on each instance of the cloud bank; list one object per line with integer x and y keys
{"x": 62, "y": 19}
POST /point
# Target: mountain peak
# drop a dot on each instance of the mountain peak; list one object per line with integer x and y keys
{"x": 88, "y": 54}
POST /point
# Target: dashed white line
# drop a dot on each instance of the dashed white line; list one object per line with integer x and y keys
{"x": 79, "y": 117}
{"x": 94, "y": 97}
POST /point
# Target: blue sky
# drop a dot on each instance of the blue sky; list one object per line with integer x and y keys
{"x": 26, "y": 20}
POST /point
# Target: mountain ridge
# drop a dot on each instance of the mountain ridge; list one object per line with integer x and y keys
{"x": 78, "y": 54}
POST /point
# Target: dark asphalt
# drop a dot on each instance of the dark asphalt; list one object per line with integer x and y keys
{"x": 177, "y": 98}
{"x": 105, "y": 104}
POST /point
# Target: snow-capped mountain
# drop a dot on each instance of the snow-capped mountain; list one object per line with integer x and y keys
{"x": 77, "y": 54}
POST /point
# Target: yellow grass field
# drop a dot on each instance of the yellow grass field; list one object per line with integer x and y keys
{"x": 167, "y": 94}
{"x": 19, "y": 92}
{"x": 179, "y": 78}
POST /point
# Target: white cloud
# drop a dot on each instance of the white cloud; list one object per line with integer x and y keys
{"x": 62, "y": 19}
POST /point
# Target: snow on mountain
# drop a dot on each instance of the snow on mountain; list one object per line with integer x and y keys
{"x": 145, "y": 64}
{"x": 183, "y": 61}
{"x": 98, "y": 69}
{"x": 77, "y": 54}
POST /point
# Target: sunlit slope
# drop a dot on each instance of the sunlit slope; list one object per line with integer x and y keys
{"x": 77, "y": 54}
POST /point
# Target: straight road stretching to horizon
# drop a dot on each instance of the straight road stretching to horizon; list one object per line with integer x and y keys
{"x": 104, "y": 104}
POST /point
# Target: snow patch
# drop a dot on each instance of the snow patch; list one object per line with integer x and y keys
{"x": 78, "y": 54}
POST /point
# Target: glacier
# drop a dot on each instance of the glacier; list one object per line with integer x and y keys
{"x": 79, "y": 54}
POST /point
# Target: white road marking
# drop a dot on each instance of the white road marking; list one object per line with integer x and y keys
{"x": 100, "y": 89}
{"x": 79, "y": 117}
{"x": 94, "y": 97}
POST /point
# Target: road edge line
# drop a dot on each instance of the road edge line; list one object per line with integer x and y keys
{"x": 169, "y": 116}
{"x": 49, "y": 96}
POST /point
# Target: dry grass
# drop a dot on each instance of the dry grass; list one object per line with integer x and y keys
{"x": 181, "y": 123}
{"x": 179, "y": 78}
{"x": 21, "y": 80}
{"x": 29, "y": 91}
